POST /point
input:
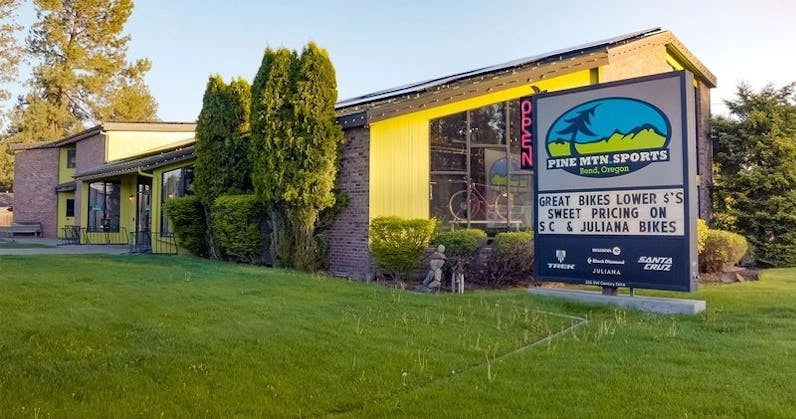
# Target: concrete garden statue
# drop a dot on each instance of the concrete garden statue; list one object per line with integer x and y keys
{"x": 433, "y": 279}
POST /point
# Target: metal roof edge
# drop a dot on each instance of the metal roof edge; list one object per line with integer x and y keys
{"x": 414, "y": 88}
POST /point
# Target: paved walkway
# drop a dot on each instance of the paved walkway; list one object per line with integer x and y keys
{"x": 70, "y": 249}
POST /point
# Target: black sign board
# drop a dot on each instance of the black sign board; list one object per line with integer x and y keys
{"x": 615, "y": 183}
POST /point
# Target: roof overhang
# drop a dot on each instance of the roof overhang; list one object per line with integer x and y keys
{"x": 141, "y": 164}
{"x": 66, "y": 187}
{"x": 109, "y": 126}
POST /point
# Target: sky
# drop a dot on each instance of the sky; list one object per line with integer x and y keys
{"x": 380, "y": 44}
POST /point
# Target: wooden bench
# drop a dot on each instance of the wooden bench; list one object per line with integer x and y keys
{"x": 25, "y": 227}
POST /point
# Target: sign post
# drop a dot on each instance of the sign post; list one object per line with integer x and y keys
{"x": 615, "y": 184}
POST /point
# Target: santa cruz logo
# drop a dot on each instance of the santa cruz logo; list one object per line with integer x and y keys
{"x": 608, "y": 137}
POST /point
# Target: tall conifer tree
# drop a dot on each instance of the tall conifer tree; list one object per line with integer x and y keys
{"x": 754, "y": 192}
{"x": 81, "y": 74}
{"x": 272, "y": 139}
{"x": 222, "y": 146}
{"x": 309, "y": 189}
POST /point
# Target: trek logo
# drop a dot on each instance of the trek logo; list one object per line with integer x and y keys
{"x": 561, "y": 255}
{"x": 608, "y": 137}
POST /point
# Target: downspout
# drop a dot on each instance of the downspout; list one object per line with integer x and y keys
{"x": 141, "y": 173}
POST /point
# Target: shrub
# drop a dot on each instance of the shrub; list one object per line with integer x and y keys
{"x": 397, "y": 244}
{"x": 188, "y": 218}
{"x": 702, "y": 233}
{"x": 238, "y": 221}
{"x": 723, "y": 249}
{"x": 461, "y": 244}
{"x": 511, "y": 257}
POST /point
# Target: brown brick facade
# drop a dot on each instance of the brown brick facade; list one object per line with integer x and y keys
{"x": 35, "y": 178}
{"x": 704, "y": 151}
{"x": 348, "y": 236}
{"x": 89, "y": 153}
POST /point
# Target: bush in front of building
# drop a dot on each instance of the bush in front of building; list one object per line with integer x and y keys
{"x": 702, "y": 234}
{"x": 511, "y": 258}
{"x": 397, "y": 244}
{"x": 460, "y": 245}
{"x": 722, "y": 250}
{"x": 188, "y": 218}
{"x": 238, "y": 221}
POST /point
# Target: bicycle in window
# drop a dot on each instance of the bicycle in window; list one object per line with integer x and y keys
{"x": 477, "y": 205}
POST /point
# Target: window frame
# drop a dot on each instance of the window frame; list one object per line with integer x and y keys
{"x": 184, "y": 187}
{"x": 106, "y": 196}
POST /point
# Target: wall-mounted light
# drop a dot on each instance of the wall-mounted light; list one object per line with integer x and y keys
{"x": 131, "y": 197}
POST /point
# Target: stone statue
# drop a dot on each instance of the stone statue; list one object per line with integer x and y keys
{"x": 433, "y": 279}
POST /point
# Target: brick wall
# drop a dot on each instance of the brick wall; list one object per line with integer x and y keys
{"x": 35, "y": 178}
{"x": 89, "y": 153}
{"x": 348, "y": 235}
{"x": 704, "y": 151}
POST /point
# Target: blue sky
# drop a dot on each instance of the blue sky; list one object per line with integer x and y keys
{"x": 375, "y": 45}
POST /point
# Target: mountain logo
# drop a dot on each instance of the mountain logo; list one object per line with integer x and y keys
{"x": 608, "y": 137}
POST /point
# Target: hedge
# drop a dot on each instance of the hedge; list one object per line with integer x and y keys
{"x": 238, "y": 223}
{"x": 397, "y": 244}
{"x": 461, "y": 244}
{"x": 723, "y": 249}
{"x": 190, "y": 226}
{"x": 511, "y": 257}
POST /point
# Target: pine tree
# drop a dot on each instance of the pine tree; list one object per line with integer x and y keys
{"x": 10, "y": 56}
{"x": 10, "y": 51}
{"x": 81, "y": 74}
{"x": 755, "y": 165}
{"x": 222, "y": 146}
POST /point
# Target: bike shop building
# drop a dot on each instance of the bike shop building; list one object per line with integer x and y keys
{"x": 449, "y": 147}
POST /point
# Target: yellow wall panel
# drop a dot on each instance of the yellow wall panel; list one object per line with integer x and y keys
{"x": 399, "y": 148}
{"x": 123, "y": 144}
{"x": 64, "y": 174}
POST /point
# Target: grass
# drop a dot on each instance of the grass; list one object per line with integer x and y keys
{"x": 22, "y": 245}
{"x": 93, "y": 336}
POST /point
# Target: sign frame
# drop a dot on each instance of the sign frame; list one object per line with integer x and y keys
{"x": 675, "y": 255}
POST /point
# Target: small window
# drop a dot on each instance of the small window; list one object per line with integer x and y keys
{"x": 70, "y": 207}
{"x": 70, "y": 158}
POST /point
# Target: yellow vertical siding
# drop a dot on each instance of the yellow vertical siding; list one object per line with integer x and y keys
{"x": 399, "y": 148}
{"x": 64, "y": 174}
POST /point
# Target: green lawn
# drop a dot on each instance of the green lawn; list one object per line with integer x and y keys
{"x": 177, "y": 336}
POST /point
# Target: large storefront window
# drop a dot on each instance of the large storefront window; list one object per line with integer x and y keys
{"x": 103, "y": 207}
{"x": 176, "y": 183}
{"x": 476, "y": 179}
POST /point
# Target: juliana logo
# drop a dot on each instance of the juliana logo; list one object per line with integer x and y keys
{"x": 608, "y": 137}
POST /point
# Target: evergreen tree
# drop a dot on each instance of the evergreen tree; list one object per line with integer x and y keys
{"x": 10, "y": 51}
{"x": 311, "y": 177}
{"x": 755, "y": 166}
{"x": 222, "y": 146}
{"x": 81, "y": 74}
{"x": 10, "y": 56}
{"x": 272, "y": 139}
{"x": 295, "y": 140}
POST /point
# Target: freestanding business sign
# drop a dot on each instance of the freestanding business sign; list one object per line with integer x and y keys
{"x": 615, "y": 184}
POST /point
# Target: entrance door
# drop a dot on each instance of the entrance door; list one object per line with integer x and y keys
{"x": 143, "y": 219}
